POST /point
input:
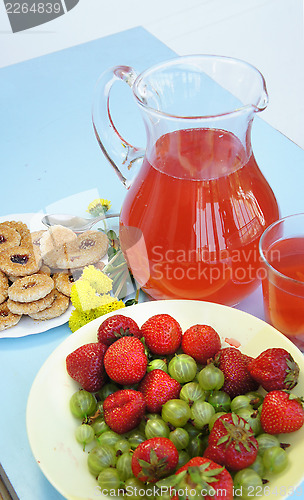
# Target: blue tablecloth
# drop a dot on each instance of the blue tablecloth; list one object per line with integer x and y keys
{"x": 50, "y": 161}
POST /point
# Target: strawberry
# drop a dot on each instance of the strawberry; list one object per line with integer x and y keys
{"x": 201, "y": 342}
{"x": 234, "y": 366}
{"x": 123, "y": 410}
{"x": 232, "y": 443}
{"x": 115, "y": 327}
{"x": 153, "y": 459}
{"x": 204, "y": 476}
{"x": 125, "y": 361}
{"x": 158, "y": 387}
{"x": 162, "y": 334}
{"x": 274, "y": 369}
{"x": 281, "y": 413}
{"x": 85, "y": 365}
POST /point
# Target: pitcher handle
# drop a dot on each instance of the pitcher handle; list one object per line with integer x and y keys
{"x": 120, "y": 153}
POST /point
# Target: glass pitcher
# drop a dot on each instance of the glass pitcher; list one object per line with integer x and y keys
{"x": 197, "y": 202}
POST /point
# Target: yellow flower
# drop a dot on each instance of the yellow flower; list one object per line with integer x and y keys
{"x": 78, "y": 319}
{"x": 83, "y": 296}
{"x": 98, "y": 207}
{"x": 97, "y": 279}
{"x": 81, "y": 318}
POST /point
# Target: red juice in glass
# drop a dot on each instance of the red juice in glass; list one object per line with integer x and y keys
{"x": 201, "y": 206}
{"x": 283, "y": 289}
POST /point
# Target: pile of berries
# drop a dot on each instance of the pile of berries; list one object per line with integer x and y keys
{"x": 180, "y": 412}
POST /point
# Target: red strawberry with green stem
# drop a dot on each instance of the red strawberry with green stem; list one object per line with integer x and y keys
{"x": 201, "y": 342}
{"x": 115, "y": 327}
{"x": 86, "y": 366}
{"x": 234, "y": 366}
{"x": 125, "y": 361}
{"x": 123, "y": 410}
{"x": 153, "y": 459}
{"x": 162, "y": 334}
{"x": 274, "y": 369}
{"x": 158, "y": 387}
{"x": 232, "y": 443}
{"x": 210, "y": 480}
{"x": 281, "y": 413}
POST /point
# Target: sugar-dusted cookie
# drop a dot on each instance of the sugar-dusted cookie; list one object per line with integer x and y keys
{"x": 55, "y": 237}
{"x": 22, "y": 229}
{"x": 20, "y": 261}
{"x": 36, "y": 237}
{"x": 3, "y": 287}
{"x": 44, "y": 270}
{"x": 31, "y": 307}
{"x": 58, "y": 307}
{"x": 88, "y": 248}
{"x": 9, "y": 237}
{"x": 63, "y": 282}
{"x": 7, "y": 318}
{"x": 30, "y": 288}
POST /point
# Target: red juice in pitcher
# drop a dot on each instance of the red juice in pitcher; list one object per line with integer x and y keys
{"x": 284, "y": 297}
{"x": 200, "y": 207}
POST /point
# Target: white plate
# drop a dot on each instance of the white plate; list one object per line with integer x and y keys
{"x": 51, "y": 426}
{"x": 26, "y": 325}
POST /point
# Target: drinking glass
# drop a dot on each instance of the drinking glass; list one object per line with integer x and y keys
{"x": 282, "y": 254}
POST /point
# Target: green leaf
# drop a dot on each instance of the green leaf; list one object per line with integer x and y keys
{"x": 172, "y": 480}
{"x": 223, "y": 439}
{"x": 204, "y": 466}
{"x": 214, "y": 472}
{"x": 235, "y": 419}
{"x": 194, "y": 473}
{"x": 131, "y": 302}
{"x": 153, "y": 457}
{"x": 143, "y": 463}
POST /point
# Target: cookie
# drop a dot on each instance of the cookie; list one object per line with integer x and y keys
{"x": 44, "y": 270}
{"x": 31, "y": 307}
{"x": 63, "y": 282}
{"x": 55, "y": 237}
{"x": 58, "y": 307}
{"x": 23, "y": 231}
{"x": 88, "y": 248}
{"x": 36, "y": 237}
{"x": 7, "y": 318}
{"x": 20, "y": 261}
{"x": 8, "y": 237}
{"x": 3, "y": 287}
{"x": 31, "y": 288}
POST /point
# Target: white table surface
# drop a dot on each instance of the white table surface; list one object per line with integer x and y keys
{"x": 266, "y": 33}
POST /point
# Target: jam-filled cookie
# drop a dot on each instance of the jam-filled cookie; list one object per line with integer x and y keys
{"x": 8, "y": 237}
{"x": 36, "y": 237}
{"x": 7, "y": 318}
{"x": 3, "y": 287}
{"x": 22, "y": 229}
{"x": 88, "y": 248}
{"x": 63, "y": 282}
{"x": 58, "y": 307}
{"x": 30, "y": 288}
{"x": 31, "y": 307}
{"x": 20, "y": 261}
{"x": 55, "y": 237}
